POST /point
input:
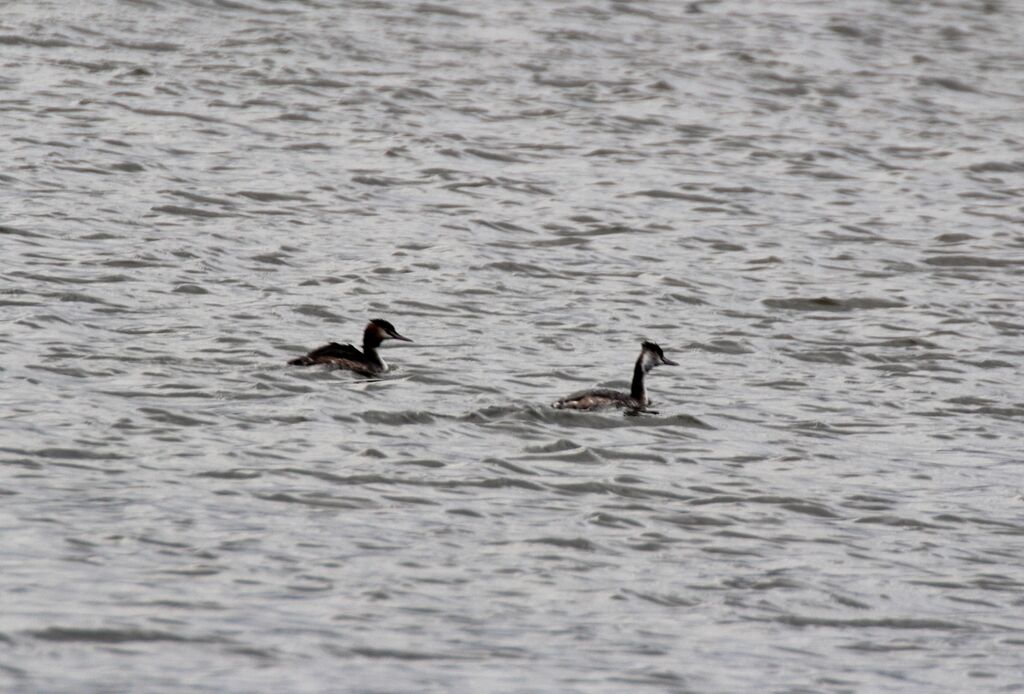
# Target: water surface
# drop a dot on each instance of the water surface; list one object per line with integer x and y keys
{"x": 815, "y": 207}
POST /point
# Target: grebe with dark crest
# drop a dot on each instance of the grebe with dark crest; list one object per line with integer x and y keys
{"x": 367, "y": 362}
{"x": 651, "y": 355}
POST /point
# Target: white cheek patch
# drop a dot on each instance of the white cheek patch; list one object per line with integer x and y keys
{"x": 650, "y": 360}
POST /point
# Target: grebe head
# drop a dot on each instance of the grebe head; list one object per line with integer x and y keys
{"x": 383, "y": 330}
{"x": 652, "y": 355}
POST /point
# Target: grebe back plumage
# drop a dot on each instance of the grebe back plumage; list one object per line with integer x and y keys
{"x": 651, "y": 355}
{"x": 367, "y": 362}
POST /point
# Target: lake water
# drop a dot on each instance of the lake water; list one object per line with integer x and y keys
{"x": 817, "y": 208}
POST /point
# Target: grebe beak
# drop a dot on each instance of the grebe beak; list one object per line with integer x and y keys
{"x": 669, "y": 362}
{"x": 400, "y": 337}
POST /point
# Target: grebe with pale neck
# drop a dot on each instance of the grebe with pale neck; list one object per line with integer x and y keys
{"x": 367, "y": 362}
{"x": 651, "y": 355}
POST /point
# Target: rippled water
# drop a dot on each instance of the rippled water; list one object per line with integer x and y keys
{"x": 817, "y": 208}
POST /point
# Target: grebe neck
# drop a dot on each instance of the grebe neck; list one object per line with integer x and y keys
{"x": 371, "y": 341}
{"x": 638, "y": 391}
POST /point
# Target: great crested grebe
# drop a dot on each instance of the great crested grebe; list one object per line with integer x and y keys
{"x": 367, "y": 362}
{"x": 651, "y": 355}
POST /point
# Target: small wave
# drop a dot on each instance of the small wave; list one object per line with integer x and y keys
{"x": 192, "y": 289}
{"x": 383, "y": 181}
{"x": 881, "y": 623}
{"x": 559, "y": 446}
{"x": 12, "y": 231}
{"x": 782, "y": 384}
{"x": 577, "y": 454}
{"x": 66, "y": 453}
{"x": 580, "y": 543}
{"x": 319, "y": 82}
{"x": 494, "y": 156}
{"x": 626, "y": 491}
{"x": 675, "y": 195}
{"x": 189, "y": 211}
{"x": 399, "y": 654}
{"x": 899, "y": 522}
{"x": 113, "y": 635}
{"x": 266, "y": 196}
{"x": 605, "y": 419}
{"x": 127, "y": 167}
{"x": 970, "y": 261}
{"x": 825, "y": 303}
{"x": 166, "y": 417}
{"x": 166, "y": 113}
{"x": 444, "y": 10}
{"x": 398, "y": 418}
{"x": 321, "y": 500}
{"x": 608, "y": 520}
{"x": 947, "y": 83}
{"x": 721, "y": 347}
{"x": 152, "y": 46}
{"x": 822, "y": 356}
{"x": 270, "y": 258}
{"x": 11, "y": 40}
{"x": 998, "y": 167}
{"x": 232, "y": 474}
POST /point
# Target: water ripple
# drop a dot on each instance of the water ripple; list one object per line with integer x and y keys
{"x": 815, "y": 210}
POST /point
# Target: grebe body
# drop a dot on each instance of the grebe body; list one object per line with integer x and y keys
{"x": 651, "y": 355}
{"x": 367, "y": 362}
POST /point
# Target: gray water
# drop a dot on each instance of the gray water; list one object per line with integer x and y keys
{"x": 816, "y": 207}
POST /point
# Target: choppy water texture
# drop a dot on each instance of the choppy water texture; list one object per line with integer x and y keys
{"x": 816, "y": 207}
